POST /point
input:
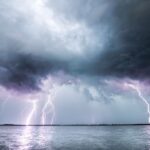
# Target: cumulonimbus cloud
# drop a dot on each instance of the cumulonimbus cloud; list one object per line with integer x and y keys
{"x": 104, "y": 39}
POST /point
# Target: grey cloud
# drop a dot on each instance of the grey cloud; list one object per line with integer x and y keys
{"x": 84, "y": 38}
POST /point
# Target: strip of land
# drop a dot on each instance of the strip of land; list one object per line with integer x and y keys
{"x": 139, "y": 124}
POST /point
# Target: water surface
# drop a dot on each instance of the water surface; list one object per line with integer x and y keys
{"x": 75, "y": 138}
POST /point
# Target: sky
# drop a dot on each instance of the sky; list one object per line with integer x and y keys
{"x": 74, "y": 62}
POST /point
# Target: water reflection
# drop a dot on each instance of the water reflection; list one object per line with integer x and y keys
{"x": 25, "y": 138}
{"x": 32, "y": 137}
{"x": 75, "y": 138}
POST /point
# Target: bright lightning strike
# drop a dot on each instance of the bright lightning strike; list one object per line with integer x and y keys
{"x": 137, "y": 89}
{"x": 43, "y": 112}
{"x": 49, "y": 104}
{"x": 30, "y": 116}
{"x": 48, "y": 88}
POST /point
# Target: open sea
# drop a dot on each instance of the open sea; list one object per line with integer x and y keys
{"x": 75, "y": 138}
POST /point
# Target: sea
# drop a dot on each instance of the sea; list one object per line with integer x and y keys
{"x": 75, "y": 137}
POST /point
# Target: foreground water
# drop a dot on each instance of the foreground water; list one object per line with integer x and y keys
{"x": 75, "y": 138}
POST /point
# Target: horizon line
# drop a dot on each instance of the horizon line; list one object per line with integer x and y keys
{"x": 113, "y": 124}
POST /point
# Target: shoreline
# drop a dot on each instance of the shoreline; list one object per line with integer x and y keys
{"x": 139, "y": 124}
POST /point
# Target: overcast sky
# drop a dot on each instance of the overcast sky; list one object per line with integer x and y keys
{"x": 90, "y": 58}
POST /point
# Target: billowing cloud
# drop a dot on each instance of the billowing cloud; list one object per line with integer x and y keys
{"x": 103, "y": 38}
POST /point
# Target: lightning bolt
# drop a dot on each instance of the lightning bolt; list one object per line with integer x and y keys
{"x": 33, "y": 110}
{"x": 49, "y": 104}
{"x": 137, "y": 89}
{"x": 47, "y": 91}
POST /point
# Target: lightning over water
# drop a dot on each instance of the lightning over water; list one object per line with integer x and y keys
{"x": 31, "y": 113}
{"x": 137, "y": 89}
{"x": 72, "y": 63}
{"x": 48, "y": 108}
{"x": 44, "y": 111}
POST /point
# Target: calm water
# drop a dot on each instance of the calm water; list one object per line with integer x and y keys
{"x": 75, "y": 138}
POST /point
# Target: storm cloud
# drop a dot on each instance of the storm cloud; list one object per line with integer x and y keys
{"x": 80, "y": 38}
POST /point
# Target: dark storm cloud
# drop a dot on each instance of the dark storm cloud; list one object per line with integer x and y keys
{"x": 29, "y": 51}
{"x": 25, "y": 71}
{"x": 129, "y": 54}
